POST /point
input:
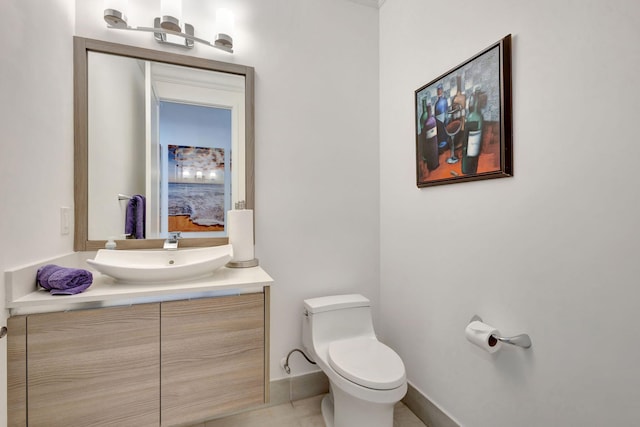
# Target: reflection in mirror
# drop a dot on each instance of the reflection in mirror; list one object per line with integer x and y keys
{"x": 164, "y": 143}
{"x": 169, "y": 138}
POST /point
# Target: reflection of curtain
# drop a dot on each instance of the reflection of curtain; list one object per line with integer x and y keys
{"x": 135, "y": 217}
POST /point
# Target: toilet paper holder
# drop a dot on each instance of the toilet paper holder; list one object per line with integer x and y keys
{"x": 521, "y": 340}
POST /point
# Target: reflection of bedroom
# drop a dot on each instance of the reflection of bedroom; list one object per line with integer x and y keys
{"x": 195, "y": 142}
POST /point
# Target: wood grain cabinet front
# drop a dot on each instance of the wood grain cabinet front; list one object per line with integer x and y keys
{"x": 93, "y": 367}
{"x": 159, "y": 364}
{"x": 212, "y": 357}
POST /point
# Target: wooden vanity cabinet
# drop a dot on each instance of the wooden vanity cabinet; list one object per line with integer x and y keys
{"x": 158, "y": 364}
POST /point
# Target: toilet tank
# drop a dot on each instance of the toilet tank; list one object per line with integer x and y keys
{"x": 332, "y": 318}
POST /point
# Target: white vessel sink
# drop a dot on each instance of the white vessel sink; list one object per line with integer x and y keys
{"x": 160, "y": 265}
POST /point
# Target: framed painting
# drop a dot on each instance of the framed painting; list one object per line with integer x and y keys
{"x": 463, "y": 121}
{"x": 196, "y": 189}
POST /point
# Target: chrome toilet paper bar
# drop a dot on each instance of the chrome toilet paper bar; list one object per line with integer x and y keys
{"x": 521, "y": 340}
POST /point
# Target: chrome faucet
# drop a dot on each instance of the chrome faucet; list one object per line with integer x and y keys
{"x": 172, "y": 242}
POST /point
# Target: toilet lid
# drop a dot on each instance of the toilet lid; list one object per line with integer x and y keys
{"x": 367, "y": 362}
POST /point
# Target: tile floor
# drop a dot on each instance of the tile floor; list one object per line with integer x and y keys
{"x": 300, "y": 413}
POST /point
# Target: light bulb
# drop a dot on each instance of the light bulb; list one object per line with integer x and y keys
{"x": 171, "y": 14}
{"x": 224, "y": 27}
{"x": 115, "y": 12}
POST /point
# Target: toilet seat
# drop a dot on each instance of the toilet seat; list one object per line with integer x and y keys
{"x": 367, "y": 362}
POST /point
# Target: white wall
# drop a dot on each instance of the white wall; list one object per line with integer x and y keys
{"x": 317, "y": 213}
{"x": 316, "y": 141}
{"x": 36, "y": 119}
{"x": 550, "y": 252}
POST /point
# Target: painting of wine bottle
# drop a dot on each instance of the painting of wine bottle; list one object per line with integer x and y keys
{"x": 468, "y": 136}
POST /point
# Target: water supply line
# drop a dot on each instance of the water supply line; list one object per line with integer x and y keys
{"x": 285, "y": 365}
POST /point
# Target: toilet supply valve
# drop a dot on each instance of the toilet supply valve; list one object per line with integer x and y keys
{"x": 284, "y": 363}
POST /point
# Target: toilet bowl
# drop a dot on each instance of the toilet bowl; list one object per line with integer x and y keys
{"x": 366, "y": 377}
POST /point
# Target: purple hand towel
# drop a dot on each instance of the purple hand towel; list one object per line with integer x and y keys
{"x": 135, "y": 217}
{"x": 63, "y": 280}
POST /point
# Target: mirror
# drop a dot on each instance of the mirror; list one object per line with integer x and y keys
{"x": 176, "y": 130}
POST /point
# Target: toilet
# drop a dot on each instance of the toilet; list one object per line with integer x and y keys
{"x": 366, "y": 377}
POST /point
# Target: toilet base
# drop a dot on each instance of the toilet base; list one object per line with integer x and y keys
{"x": 327, "y": 410}
{"x": 344, "y": 410}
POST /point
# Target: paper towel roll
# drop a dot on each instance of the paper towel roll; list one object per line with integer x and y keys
{"x": 481, "y": 334}
{"x": 240, "y": 229}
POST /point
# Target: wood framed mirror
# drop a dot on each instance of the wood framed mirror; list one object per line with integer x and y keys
{"x": 118, "y": 152}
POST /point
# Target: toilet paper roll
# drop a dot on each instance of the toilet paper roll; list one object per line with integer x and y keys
{"x": 481, "y": 334}
{"x": 240, "y": 229}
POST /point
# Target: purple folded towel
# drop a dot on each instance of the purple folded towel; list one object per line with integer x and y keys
{"x": 63, "y": 280}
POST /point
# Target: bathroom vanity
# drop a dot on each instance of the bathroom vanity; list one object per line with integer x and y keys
{"x": 138, "y": 354}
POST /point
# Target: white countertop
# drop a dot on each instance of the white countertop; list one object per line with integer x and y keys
{"x": 105, "y": 291}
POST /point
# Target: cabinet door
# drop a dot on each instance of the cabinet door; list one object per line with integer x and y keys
{"x": 212, "y": 357}
{"x": 17, "y": 371}
{"x": 94, "y": 367}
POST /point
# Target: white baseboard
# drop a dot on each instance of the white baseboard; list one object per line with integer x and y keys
{"x": 426, "y": 410}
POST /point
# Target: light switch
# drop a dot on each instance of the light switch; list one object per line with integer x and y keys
{"x": 65, "y": 220}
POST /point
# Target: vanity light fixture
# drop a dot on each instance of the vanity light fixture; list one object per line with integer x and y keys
{"x": 168, "y": 26}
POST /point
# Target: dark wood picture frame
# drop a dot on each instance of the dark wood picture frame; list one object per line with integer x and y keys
{"x": 468, "y": 108}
